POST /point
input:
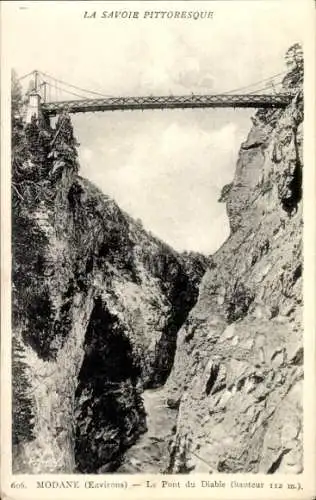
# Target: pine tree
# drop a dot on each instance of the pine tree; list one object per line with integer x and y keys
{"x": 65, "y": 131}
{"x": 18, "y": 139}
{"x": 294, "y": 60}
{"x": 32, "y": 134}
{"x": 294, "y": 57}
{"x": 64, "y": 143}
{"x": 16, "y": 97}
{"x": 16, "y": 110}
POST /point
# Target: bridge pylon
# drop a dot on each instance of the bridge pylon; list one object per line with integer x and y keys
{"x": 34, "y": 100}
{"x": 33, "y": 106}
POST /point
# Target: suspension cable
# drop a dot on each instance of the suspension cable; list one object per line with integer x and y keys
{"x": 75, "y": 86}
{"x": 265, "y": 88}
{"x": 53, "y": 86}
{"x": 255, "y": 83}
{"x": 24, "y": 76}
{"x": 68, "y": 91}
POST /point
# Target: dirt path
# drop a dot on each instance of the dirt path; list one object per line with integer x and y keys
{"x": 149, "y": 454}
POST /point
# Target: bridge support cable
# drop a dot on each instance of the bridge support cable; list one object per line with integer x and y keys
{"x": 60, "y": 90}
{"x": 70, "y": 85}
{"x": 247, "y": 97}
{"x": 240, "y": 89}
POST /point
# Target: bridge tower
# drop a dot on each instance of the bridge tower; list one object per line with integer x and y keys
{"x": 34, "y": 100}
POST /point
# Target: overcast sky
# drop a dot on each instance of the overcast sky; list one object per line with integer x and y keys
{"x": 164, "y": 167}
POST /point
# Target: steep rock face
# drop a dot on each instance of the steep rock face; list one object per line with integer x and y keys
{"x": 237, "y": 375}
{"x": 97, "y": 304}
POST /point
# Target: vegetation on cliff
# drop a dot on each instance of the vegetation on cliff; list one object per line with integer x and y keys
{"x": 102, "y": 310}
{"x": 237, "y": 375}
{"x": 97, "y": 304}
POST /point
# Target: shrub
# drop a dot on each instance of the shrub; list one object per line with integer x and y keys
{"x": 238, "y": 300}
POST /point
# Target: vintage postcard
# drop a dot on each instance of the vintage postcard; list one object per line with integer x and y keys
{"x": 158, "y": 250}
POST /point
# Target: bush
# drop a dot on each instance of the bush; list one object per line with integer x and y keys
{"x": 239, "y": 301}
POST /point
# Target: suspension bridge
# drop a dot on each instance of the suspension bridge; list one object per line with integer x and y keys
{"x": 48, "y": 96}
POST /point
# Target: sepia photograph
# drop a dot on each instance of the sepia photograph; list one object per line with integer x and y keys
{"x": 155, "y": 223}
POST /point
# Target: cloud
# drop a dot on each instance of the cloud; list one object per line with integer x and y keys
{"x": 166, "y": 167}
{"x": 170, "y": 176}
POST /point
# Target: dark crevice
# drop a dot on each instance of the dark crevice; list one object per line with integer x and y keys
{"x": 295, "y": 186}
{"x": 276, "y": 464}
{"x": 189, "y": 336}
{"x": 109, "y": 410}
{"x": 297, "y": 273}
{"x": 298, "y": 358}
{"x": 253, "y": 145}
{"x": 183, "y": 297}
{"x": 212, "y": 379}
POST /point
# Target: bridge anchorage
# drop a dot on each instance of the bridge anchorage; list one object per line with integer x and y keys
{"x": 40, "y": 104}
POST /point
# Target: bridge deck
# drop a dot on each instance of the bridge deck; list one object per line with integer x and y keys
{"x": 168, "y": 102}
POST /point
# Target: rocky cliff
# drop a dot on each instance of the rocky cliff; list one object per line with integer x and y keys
{"x": 97, "y": 304}
{"x": 237, "y": 376}
{"x": 103, "y": 310}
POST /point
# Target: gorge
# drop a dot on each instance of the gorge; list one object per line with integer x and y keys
{"x": 106, "y": 316}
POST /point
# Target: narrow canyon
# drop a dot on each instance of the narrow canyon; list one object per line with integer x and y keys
{"x": 129, "y": 356}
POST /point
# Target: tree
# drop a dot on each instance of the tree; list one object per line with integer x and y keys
{"x": 32, "y": 134}
{"x": 64, "y": 137}
{"x": 65, "y": 130}
{"x": 16, "y": 109}
{"x": 18, "y": 139}
{"x": 16, "y": 97}
{"x": 294, "y": 57}
{"x": 294, "y": 60}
